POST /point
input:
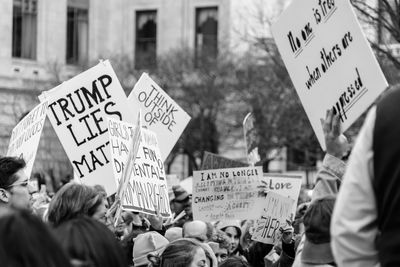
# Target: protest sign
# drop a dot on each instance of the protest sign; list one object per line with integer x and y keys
{"x": 286, "y": 185}
{"x": 212, "y": 161}
{"x": 77, "y": 110}
{"x": 226, "y": 194}
{"x": 251, "y": 139}
{"x": 275, "y": 215}
{"x": 25, "y": 136}
{"x": 147, "y": 188}
{"x": 329, "y": 60}
{"x": 160, "y": 113}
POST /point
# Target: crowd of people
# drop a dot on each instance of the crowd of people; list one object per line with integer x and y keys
{"x": 353, "y": 226}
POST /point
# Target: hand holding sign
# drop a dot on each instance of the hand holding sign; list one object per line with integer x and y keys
{"x": 336, "y": 143}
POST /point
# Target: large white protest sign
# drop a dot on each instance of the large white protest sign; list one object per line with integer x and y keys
{"x": 329, "y": 60}
{"x": 147, "y": 188}
{"x": 275, "y": 215}
{"x": 226, "y": 194}
{"x": 160, "y": 113}
{"x": 77, "y": 110}
{"x": 25, "y": 136}
{"x": 286, "y": 185}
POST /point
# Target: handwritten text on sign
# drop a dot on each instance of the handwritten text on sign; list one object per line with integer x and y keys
{"x": 25, "y": 136}
{"x": 147, "y": 188}
{"x": 77, "y": 110}
{"x": 329, "y": 60}
{"x": 225, "y": 194}
{"x": 160, "y": 113}
{"x": 276, "y": 212}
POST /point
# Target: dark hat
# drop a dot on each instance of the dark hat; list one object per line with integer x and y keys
{"x": 179, "y": 193}
{"x": 317, "y": 221}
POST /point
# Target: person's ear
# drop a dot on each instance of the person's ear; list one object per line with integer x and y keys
{"x": 4, "y": 195}
{"x": 154, "y": 259}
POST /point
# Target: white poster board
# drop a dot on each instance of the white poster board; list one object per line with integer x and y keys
{"x": 286, "y": 185}
{"x": 25, "y": 136}
{"x": 226, "y": 194}
{"x": 78, "y": 109}
{"x": 329, "y": 60}
{"x": 276, "y": 212}
{"x": 251, "y": 139}
{"x": 147, "y": 189}
{"x": 160, "y": 113}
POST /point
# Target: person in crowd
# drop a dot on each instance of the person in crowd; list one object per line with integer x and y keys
{"x": 316, "y": 250}
{"x": 235, "y": 261}
{"x": 146, "y": 245}
{"x": 90, "y": 243}
{"x": 173, "y": 233}
{"x": 220, "y": 245}
{"x": 26, "y": 241}
{"x": 181, "y": 203}
{"x": 74, "y": 200}
{"x": 199, "y": 230}
{"x": 183, "y": 252}
{"x": 283, "y": 253}
{"x": 14, "y": 186}
{"x": 247, "y": 232}
{"x": 233, "y": 230}
{"x": 365, "y": 223}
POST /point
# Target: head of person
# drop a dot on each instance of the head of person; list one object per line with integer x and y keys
{"x": 220, "y": 245}
{"x": 181, "y": 253}
{"x": 88, "y": 242}
{"x": 14, "y": 183}
{"x": 74, "y": 200}
{"x": 233, "y": 231}
{"x": 27, "y": 241}
{"x": 182, "y": 202}
{"x": 317, "y": 220}
{"x": 173, "y": 233}
{"x": 146, "y": 245}
{"x": 199, "y": 230}
{"x": 234, "y": 261}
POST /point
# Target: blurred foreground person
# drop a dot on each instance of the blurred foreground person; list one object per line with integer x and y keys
{"x": 14, "y": 186}
{"x": 25, "y": 241}
{"x": 365, "y": 225}
{"x": 75, "y": 200}
{"x": 89, "y": 243}
{"x": 146, "y": 245}
{"x": 182, "y": 253}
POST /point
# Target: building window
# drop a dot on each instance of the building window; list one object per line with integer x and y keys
{"x": 77, "y": 32}
{"x": 206, "y": 40}
{"x": 24, "y": 29}
{"x": 146, "y": 39}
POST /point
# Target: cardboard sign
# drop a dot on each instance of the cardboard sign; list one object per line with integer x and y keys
{"x": 276, "y": 212}
{"x": 78, "y": 109}
{"x": 251, "y": 139}
{"x": 147, "y": 188}
{"x": 25, "y": 136}
{"x": 329, "y": 60}
{"x": 285, "y": 185}
{"x": 212, "y": 161}
{"x": 160, "y": 113}
{"x": 226, "y": 194}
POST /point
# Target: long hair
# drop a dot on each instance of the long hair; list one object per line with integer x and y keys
{"x": 25, "y": 241}
{"x": 88, "y": 242}
{"x": 72, "y": 201}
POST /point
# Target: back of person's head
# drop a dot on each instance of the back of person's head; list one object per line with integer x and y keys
{"x": 8, "y": 167}
{"x": 88, "y": 242}
{"x": 173, "y": 233}
{"x": 179, "y": 253}
{"x": 317, "y": 221}
{"x": 149, "y": 243}
{"x": 199, "y": 230}
{"x": 235, "y": 261}
{"x": 73, "y": 200}
{"x": 26, "y": 241}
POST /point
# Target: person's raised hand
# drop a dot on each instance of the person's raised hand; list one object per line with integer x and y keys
{"x": 336, "y": 143}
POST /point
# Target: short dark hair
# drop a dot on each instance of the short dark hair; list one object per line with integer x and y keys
{"x": 8, "y": 167}
{"x": 27, "y": 241}
{"x": 90, "y": 243}
{"x": 72, "y": 201}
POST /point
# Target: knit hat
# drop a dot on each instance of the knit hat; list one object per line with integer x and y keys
{"x": 173, "y": 233}
{"x": 150, "y": 242}
{"x": 179, "y": 193}
{"x": 317, "y": 221}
